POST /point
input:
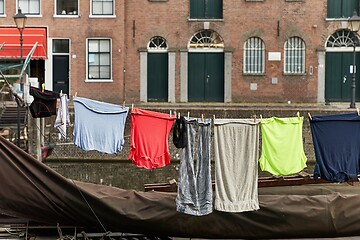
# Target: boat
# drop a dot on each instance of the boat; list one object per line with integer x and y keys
{"x": 38, "y": 197}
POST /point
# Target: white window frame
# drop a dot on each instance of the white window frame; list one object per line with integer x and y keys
{"x": 102, "y": 15}
{"x": 67, "y": 15}
{"x": 295, "y": 49}
{"x": 3, "y": 5}
{"x": 206, "y": 40}
{"x": 87, "y": 62}
{"x": 27, "y": 14}
{"x": 254, "y": 52}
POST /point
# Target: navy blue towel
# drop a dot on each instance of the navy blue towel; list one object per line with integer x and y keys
{"x": 336, "y": 141}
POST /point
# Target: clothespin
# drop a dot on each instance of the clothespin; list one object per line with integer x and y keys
{"x": 310, "y": 116}
{"x": 124, "y": 104}
{"x": 132, "y": 106}
{"x": 188, "y": 114}
{"x": 179, "y": 115}
{"x": 61, "y": 93}
{"x": 214, "y": 117}
{"x": 298, "y": 114}
{"x": 202, "y": 117}
{"x": 170, "y": 113}
{"x": 260, "y": 117}
{"x": 254, "y": 118}
{"x": 357, "y": 110}
{"x": 75, "y": 95}
{"x": 43, "y": 87}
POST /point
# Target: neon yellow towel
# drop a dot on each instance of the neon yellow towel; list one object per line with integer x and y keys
{"x": 282, "y": 147}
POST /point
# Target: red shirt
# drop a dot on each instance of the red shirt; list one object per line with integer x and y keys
{"x": 149, "y": 146}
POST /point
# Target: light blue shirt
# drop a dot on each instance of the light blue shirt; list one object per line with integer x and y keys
{"x": 99, "y": 126}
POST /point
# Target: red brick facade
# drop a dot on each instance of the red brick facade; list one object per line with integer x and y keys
{"x": 136, "y": 22}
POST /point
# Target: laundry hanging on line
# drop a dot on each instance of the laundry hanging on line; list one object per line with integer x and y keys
{"x": 63, "y": 117}
{"x": 44, "y": 104}
{"x": 194, "y": 195}
{"x": 98, "y": 125}
{"x": 282, "y": 147}
{"x": 149, "y": 147}
{"x": 236, "y": 143}
{"x": 336, "y": 141}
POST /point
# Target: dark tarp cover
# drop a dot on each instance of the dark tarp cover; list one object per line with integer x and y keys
{"x": 31, "y": 190}
{"x": 336, "y": 140}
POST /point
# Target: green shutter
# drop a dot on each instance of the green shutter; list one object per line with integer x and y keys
{"x": 197, "y": 9}
{"x": 341, "y": 8}
{"x": 334, "y": 9}
{"x": 214, "y": 9}
{"x": 348, "y": 7}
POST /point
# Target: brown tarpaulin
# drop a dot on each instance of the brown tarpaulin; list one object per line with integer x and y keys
{"x": 31, "y": 190}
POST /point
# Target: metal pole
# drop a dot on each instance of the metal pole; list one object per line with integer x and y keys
{"x": 21, "y": 89}
{"x": 353, "y": 81}
{"x": 124, "y": 85}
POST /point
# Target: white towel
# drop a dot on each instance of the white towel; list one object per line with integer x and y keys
{"x": 236, "y": 164}
{"x": 62, "y": 117}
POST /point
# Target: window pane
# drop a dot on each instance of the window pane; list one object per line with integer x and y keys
{"x": 93, "y": 46}
{"x": 24, "y": 6}
{"x": 102, "y": 7}
{"x": 94, "y": 72}
{"x": 91, "y": 58}
{"x": 105, "y": 46}
{"x": 105, "y": 72}
{"x": 108, "y": 8}
{"x": 61, "y": 46}
{"x": 34, "y": 7}
{"x": 97, "y": 8}
{"x": 67, "y": 7}
{"x": 105, "y": 59}
{"x": 94, "y": 59}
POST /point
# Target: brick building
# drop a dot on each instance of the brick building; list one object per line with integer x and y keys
{"x": 186, "y": 51}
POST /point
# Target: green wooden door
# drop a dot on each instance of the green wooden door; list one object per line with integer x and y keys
{"x": 206, "y": 77}
{"x": 338, "y": 76}
{"x": 157, "y": 75}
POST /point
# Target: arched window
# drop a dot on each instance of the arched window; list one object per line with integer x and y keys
{"x": 157, "y": 43}
{"x": 254, "y": 55}
{"x": 294, "y": 52}
{"x": 206, "y": 39}
{"x": 341, "y": 38}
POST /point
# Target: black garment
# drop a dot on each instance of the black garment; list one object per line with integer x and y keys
{"x": 179, "y": 133}
{"x": 44, "y": 104}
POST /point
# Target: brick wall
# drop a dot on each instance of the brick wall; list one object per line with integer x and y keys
{"x": 137, "y": 21}
{"x": 242, "y": 20}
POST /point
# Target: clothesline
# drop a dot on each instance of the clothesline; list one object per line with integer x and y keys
{"x": 236, "y": 144}
{"x": 171, "y": 186}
